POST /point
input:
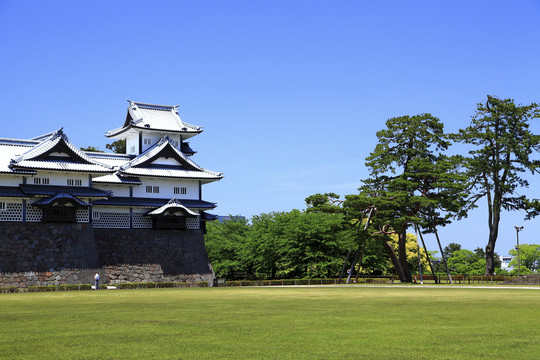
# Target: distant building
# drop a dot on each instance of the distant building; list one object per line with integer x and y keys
{"x": 221, "y": 218}
{"x": 505, "y": 262}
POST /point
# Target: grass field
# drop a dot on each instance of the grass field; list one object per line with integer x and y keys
{"x": 272, "y": 323}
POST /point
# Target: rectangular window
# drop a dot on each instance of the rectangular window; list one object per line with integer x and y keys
{"x": 133, "y": 149}
{"x": 74, "y": 182}
{"x": 41, "y": 181}
{"x": 2, "y": 206}
{"x": 148, "y": 188}
{"x": 95, "y": 215}
{"x": 180, "y": 190}
{"x": 155, "y": 189}
{"x": 147, "y": 141}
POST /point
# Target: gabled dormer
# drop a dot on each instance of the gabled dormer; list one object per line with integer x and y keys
{"x": 56, "y": 152}
{"x": 164, "y": 159}
{"x": 145, "y": 124}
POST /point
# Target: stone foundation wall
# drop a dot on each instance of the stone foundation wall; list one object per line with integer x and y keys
{"x": 62, "y": 277}
{"x": 46, "y": 247}
{"x": 65, "y": 254}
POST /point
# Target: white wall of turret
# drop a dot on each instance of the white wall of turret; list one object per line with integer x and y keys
{"x": 167, "y": 188}
{"x": 62, "y": 179}
{"x": 148, "y": 140}
{"x": 10, "y": 180}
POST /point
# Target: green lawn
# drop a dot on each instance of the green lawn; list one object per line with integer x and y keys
{"x": 272, "y": 323}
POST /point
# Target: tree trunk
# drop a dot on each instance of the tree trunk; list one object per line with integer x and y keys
{"x": 402, "y": 243}
{"x": 490, "y": 248}
{"x": 395, "y": 261}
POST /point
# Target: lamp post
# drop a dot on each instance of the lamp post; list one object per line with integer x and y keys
{"x": 518, "y": 229}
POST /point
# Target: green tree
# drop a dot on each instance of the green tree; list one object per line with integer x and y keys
{"x": 412, "y": 181}
{"x": 504, "y": 148}
{"x": 326, "y": 203}
{"x": 118, "y": 146}
{"x": 297, "y": 244}
{"x": 529, "y": 257}
{"x": 375, "y": 260}
{"x": 90, "y": 148}
{"x": 466, "y": 262}
{"x": 450, "y": 249}
{"x": 226, "y": 245}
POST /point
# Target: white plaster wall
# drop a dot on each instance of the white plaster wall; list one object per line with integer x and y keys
{"x": 132, "y": 141}
{"x": 59, "y": 178}
{"x": 10, "y": 180}
{"x": 164, "y": 161}
{"x": 166, "y": 188}
{"x": 118, "y": 190}
{"x": 155, "y": 137}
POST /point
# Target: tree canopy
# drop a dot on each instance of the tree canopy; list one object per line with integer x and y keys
{"x": 503, "y": 149}
{"x": 412, "y": 181}
{"x": 529, "y": 257}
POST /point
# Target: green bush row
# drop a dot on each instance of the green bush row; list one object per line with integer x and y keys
{"x": 148, "y": 285}
{"x": 46, "y": 288}
{"x": 303, "y": 282}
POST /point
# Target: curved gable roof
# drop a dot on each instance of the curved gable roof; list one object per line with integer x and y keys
{"x": 39, "y": 156}
{"x": 154, "y": 117}
{"x": 165, "y": 148}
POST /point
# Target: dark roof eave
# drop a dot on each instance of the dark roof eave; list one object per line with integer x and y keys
{"x": 152, "y": 202}
{"x": 117, "y": 183}
{"x": 177, "y": 177}
{"x": 129, "y": 127}
{"x": 33, "y": 172}
{"x": 19, "y": 172}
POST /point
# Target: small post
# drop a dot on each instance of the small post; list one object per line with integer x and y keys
{"x": 518, "y": 229}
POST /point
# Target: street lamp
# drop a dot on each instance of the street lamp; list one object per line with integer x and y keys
{"x": 518, "y": 229}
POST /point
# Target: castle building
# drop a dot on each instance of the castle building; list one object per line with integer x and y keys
{"x": 50, "y": 184}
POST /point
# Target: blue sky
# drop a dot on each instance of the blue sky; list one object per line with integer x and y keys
{"x": 290, "y": 93}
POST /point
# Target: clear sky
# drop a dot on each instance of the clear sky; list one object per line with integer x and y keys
{"x": 290, "y": 93}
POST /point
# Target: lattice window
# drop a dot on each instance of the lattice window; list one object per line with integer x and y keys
{"x": 76, "y": 182}
{"x": 11, "y": 212}
{"x": 41, "y": 181}
{"x": 116, "y": 220}
{"x": 82, "y": 215}
{"x": 142, "y": 222}
{"x": 180, "y": 190}
{"x": 192, "y": 223}
{"x": 33, "y": 214}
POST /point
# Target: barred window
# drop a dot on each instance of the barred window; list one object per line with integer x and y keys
{"x": 180, "y": 190}
{"x": 41, "y": 181}
{"x": 72, "y": 182}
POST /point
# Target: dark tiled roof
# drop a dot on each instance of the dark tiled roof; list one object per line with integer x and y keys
{"x": 152, "y": 202}
{"x": 115, "y": 179}
{"x": 8, "y": 191}
{"x": 208, "y": 217}
{"x": 186, "y": 149}
{"x": 61, "y": 198}
{"x": 51, "y": 190}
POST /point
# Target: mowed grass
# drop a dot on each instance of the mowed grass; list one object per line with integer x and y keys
{"x": 272, "y": 323}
